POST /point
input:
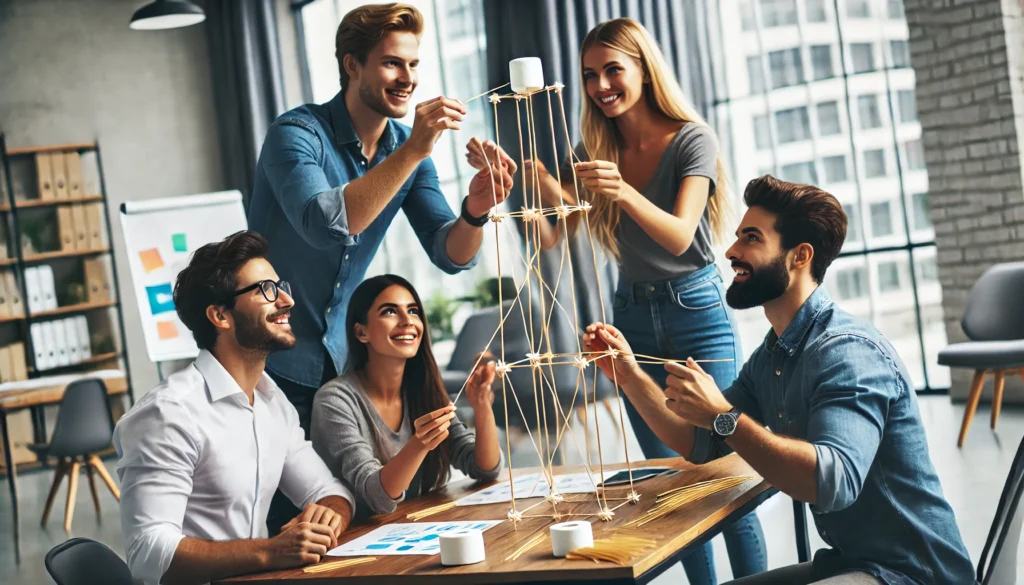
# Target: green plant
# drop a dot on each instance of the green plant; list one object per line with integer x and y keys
{"x": 485, "y": 294}
{"x": 440, "y": 310}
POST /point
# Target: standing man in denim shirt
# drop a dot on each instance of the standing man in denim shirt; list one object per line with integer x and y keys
{"x": 843, "y": 428}
{"x": 331, "y": 178}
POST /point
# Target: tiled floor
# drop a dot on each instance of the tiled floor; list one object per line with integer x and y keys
{"x": 972, "y": 478}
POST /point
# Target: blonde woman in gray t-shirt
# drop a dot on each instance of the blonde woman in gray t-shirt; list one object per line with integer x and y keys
{"x": 386, "y": 427}
{"x": 659, "y": 199}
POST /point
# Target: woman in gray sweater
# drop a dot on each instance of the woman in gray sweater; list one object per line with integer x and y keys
{"x": 387, "y": 427}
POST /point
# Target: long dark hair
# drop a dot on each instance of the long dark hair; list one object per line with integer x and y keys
{"x": 423, "y": 390}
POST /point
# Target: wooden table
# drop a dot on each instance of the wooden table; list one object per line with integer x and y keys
{"x": 15, "y": 400}
{"x": 676, "y": 535}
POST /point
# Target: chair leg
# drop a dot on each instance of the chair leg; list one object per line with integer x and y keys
{"x": 69, "y": 509}
{"x": 92, "y": 490}
{"x": 972, "y": 404}
{"x": 58, "y": 477}
{"x": 101, "y": 469}
{"x": 997, "y": 397}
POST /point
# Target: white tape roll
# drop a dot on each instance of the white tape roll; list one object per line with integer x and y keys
{"x": 463, "y": 547}
{"x": 526, "y": 74}
{"x": 569, "y": 536}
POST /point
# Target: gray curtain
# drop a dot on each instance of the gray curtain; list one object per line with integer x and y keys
{"x": 247, "y": 82}
{"x": 553, "y": 30}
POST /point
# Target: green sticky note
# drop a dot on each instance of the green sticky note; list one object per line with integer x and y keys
{"x": 179, "y": 243}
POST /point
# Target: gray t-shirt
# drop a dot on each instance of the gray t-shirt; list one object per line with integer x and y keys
{"x": 355, "y": 442}
{"x": 692, "y": 152}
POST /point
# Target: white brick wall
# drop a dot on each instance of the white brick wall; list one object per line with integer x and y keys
{"x": 970, "y": 100}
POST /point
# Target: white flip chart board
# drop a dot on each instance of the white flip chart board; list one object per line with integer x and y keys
{"x": 160, "y": 236}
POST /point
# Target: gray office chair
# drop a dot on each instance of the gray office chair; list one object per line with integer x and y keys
{"x": 998, "y": 563}
{"x": 84, "y": 427}
{"x": 82, "y": 561}
{"x": 994, "y": 322}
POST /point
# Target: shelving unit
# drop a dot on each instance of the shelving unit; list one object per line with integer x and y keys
{"x": 104, "y": 315}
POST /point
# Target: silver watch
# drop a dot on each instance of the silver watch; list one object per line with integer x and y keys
{"x": 725, "y": 424}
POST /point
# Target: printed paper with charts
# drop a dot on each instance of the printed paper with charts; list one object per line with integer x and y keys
{"x": 420, "y": 538}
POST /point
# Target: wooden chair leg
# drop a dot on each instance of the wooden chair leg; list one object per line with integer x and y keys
{"x": 101, "y": 469}
{"x": 972, "y": 404}
{"x": 997, "y": 396}
{"x": 58, "y": 477}
{"x": 92, "y": 490}
{"x": 69, "y": 509}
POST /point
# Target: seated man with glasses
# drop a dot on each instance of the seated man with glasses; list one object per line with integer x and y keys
{"x": 201, "y": 455}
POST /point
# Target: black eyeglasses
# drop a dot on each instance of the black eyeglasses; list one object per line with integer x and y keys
{"x": 269, "y": 288}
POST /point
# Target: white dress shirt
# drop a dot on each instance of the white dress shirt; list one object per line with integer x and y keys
{"x": 195, "y": 459}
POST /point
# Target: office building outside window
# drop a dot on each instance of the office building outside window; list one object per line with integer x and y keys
{"x": 864, "y": 151}
{"x": 862, "y": 57}
{"x": 778, "y": 12}
{"x": 821, "y": 62}
{"x": 792, "y": 125}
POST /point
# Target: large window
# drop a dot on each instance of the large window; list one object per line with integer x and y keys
{"x": 863, "y": 146}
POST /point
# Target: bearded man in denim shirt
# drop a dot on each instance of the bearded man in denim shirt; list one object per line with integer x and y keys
{"x": 824, "y": 409}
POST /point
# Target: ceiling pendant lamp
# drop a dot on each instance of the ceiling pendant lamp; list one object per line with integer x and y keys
{"x": 163, "y": 14}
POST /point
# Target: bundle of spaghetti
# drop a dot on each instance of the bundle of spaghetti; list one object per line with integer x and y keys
{"x": 324, "y": 567}
{"x": 672, "y": 500}
{"x": 617, "y": 549}
{"x": 414, "y": 516}
{"x": 529, "y": 544}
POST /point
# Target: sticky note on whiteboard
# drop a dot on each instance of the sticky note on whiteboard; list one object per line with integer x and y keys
{"x": 166, "y": 329}
{"x": 151, "y": 259}
{"x": 180, "y": 244}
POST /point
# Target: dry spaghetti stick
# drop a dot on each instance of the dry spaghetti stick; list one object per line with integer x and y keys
{"x": 537, "y": 539}
{"x": 430, "y": 511}
{"x": 324, "y": 567}
{"x": 484, "y": 93}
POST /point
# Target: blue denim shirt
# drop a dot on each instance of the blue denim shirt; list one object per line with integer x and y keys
{"x": 833, "y": 380}
{"x": 298, "y": 202}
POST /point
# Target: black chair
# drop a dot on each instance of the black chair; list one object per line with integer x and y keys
{"x": 82, "y": 561}
{"x": 998, "y": 563}
{"x": 84, "y": 427}
{"x": 994, "y": 322}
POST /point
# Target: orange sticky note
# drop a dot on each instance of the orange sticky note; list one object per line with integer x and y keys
{"x": 151, "y": 259}
{"x": 166, "y": 329}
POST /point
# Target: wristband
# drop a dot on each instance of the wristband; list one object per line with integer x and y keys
{"x": 473, "y": 221}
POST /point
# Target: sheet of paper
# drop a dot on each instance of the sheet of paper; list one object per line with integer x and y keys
{"x": 533, "y": 485}
{"x": 420, "y": 538}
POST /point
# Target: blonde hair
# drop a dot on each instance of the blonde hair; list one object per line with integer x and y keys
{"x": 363, "y": 27}
{"x": 601, "y": 136}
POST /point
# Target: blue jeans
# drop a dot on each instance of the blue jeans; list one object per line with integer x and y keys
{"x": 676, "y": 319}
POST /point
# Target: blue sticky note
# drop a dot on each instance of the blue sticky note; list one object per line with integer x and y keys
{"x": 161, "y": 298}
{"x": 378, "y": 546}
{"x": 180, "y": 244}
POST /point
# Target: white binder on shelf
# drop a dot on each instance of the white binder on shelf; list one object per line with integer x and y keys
{"x": 34, "y": 289}
{"x": 60, "y": 345}
{"x": 50, "y": 344}
{"x": 84, "y": 345}
{"x": 39, "y": 347}
{"x": 49, "y": 287}
{"x": 71, "y": 335}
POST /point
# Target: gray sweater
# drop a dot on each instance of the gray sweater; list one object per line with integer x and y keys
{"x": 350, "y": 436}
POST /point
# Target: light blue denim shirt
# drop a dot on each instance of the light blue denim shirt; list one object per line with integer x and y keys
{"x": 833, "y": 380}
{"x": 298, "y": 202}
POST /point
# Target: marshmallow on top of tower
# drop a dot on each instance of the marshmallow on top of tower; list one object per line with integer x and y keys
{"x": 526, "y": 74}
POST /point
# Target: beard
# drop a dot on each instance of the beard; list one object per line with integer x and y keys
{"x": 763, "y": 285}
{"x": 376, "y": 102}
{"x": 253, "y": 332}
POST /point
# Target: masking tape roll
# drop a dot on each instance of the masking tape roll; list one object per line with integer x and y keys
{"x": 569, "y": 536}
{"x": 463, "y": 547}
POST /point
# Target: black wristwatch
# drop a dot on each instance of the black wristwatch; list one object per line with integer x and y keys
{"x": 725, "y": 424}
{"x": 473, "y": 221}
